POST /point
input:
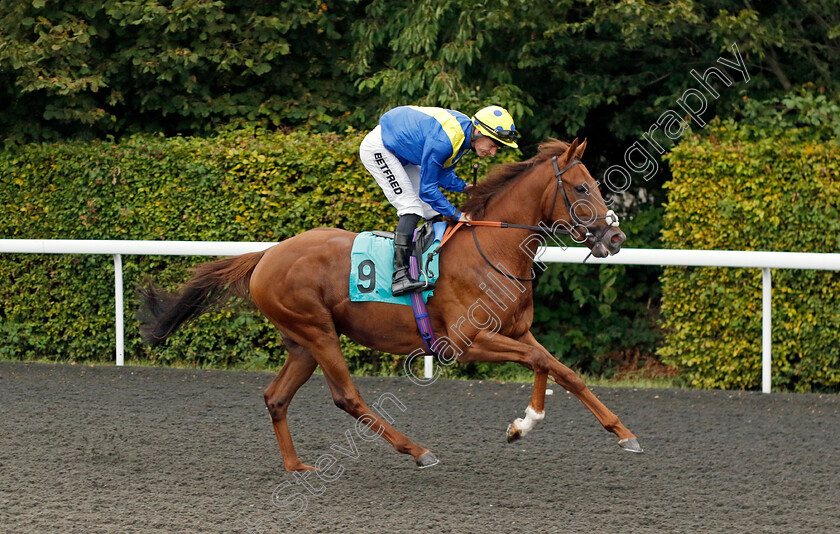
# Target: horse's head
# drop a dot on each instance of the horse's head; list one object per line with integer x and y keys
{"x": 573, "y": 204}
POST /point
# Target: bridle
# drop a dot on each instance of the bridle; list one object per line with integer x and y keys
{"x": 610, "y": 217}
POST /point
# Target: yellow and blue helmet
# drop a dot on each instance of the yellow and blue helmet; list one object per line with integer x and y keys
{"x": 496, "y": 123}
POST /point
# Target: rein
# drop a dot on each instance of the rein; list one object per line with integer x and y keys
{"x": 610, "y": 217}
{"x": 506, "y": 275}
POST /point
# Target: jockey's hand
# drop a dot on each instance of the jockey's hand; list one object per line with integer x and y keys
{"x": 464, "y": 218}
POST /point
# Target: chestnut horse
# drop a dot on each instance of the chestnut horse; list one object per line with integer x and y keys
{"x": 301, "y": 285}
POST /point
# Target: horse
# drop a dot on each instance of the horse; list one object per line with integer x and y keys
{"x": 301, "y": 285}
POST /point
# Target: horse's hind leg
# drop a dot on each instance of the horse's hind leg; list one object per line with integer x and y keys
{"x": 347, "y": 397}
{"x": 298, "y": 368}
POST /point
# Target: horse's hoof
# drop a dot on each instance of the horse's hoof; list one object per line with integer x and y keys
{"x": 630, "y": 444}
{"x": 300, "y": 467}
{"x": 427, "y": 459}
{"x": 513, "y": 433}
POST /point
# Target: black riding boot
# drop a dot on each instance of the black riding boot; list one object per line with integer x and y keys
{"x": 403, "y": 283}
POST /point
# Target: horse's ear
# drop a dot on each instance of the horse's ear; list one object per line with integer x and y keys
{"x": 580, "y": 149}
{"x": 571, "y": 151}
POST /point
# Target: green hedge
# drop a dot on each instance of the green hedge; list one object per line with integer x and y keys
{"x": 733, "y": 190}
{"x": 233, "y": 187}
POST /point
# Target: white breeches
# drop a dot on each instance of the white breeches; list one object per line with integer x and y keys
{"x": 400, "y": 184}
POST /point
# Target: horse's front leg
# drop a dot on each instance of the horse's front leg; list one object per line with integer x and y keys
{"x": 533, "y": 413}
{"x": 528, "y": 352}
{"x": 504, "y": 349}
{"x": 573, "y": 384}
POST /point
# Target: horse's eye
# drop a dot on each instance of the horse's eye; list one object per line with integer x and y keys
{"x": 581, "y": 189}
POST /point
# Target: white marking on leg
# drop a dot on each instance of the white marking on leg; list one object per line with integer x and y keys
{"x": 531, "y": 417}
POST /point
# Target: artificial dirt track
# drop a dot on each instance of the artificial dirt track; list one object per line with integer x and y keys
{"x": 105, "y": 449}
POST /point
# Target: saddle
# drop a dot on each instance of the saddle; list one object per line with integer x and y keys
{"x": 424, "y": 237}
{"x": 372, "y": 267}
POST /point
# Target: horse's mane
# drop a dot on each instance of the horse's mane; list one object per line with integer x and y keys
{"x": 501, "y": 175}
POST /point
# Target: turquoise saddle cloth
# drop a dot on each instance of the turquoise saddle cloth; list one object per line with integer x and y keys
{"x": 372, "y": 268}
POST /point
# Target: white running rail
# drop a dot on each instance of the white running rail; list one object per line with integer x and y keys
{"x": 713, "y": 258}
{"x": 692, "y": 258}
{"x": 117, "y": 249}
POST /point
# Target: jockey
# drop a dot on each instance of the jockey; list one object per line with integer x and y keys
{"x": 412, "y": 154}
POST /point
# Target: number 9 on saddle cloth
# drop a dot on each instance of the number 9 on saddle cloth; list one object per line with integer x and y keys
{"x": 372, "y": 264}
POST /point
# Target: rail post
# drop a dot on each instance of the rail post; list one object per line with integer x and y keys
{"x": 428, "y": 366}
{"x": 766, "y": 328}
{"x": 118, "y": 309}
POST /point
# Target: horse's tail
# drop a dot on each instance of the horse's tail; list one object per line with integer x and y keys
{"x": 212, "y": 283}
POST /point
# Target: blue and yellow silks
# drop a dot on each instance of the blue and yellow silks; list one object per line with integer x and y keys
{"x": 435, "y": 139}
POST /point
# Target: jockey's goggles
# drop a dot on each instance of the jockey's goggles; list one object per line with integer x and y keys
{"x": 508, "y": 136}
